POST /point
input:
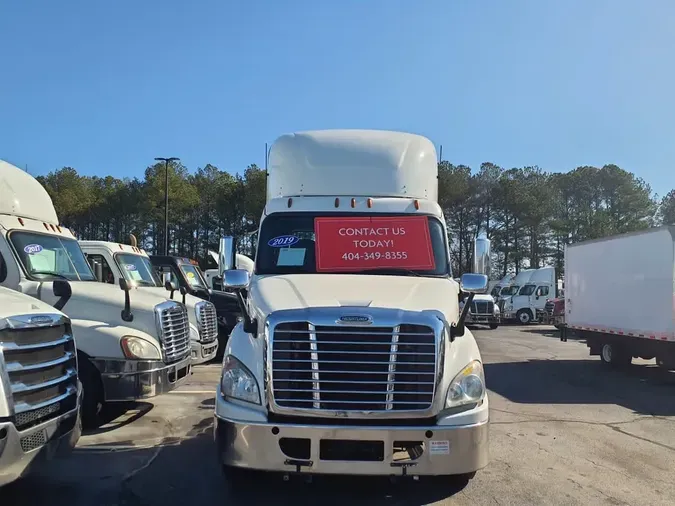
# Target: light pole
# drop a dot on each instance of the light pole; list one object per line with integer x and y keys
{"x": 166, "y": 200}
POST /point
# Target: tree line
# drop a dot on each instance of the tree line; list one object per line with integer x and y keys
{"x": 529, "y": 214}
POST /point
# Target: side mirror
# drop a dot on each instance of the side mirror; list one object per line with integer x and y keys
{"x": 226, "y": 255}
{"x": 63, "y": 290}
{"x": 126, "y": 313}
{"x": 183, "y": 291}
{"x": 473, "y": 283}
{"x": 236, "y": 279}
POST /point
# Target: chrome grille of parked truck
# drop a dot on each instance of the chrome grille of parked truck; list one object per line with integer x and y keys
{"x": 174, "y": 330}
{"x": 41, "y": 364}
{"x": 353, "y": 368}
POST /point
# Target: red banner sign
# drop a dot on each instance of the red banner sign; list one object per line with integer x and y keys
{"x": 373, "y": 242}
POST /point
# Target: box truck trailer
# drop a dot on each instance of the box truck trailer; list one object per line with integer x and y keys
{"x": 620, "y": 296}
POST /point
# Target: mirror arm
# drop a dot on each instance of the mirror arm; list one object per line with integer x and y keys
{"x": 250, "y": 326}
{"x": 126, "y": 314}
{"x": 457, "y": 330}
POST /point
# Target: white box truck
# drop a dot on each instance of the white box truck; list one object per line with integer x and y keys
{"x": 39, "y": 390}
{"x": 620, "y": 296}
{"x": 129, "y": 345}
{"x": 113, "y": 261}
{"x": 352, "y": 356}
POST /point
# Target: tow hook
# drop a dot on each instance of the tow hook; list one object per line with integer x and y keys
{"x": 299, "y": 464}
{"x": 404, "y": 468}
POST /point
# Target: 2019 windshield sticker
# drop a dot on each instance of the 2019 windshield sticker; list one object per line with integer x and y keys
{"x": 32, "y": 249}
{"x": 283, "y": 241}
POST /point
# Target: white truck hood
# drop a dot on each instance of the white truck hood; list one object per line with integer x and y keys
{"x": 299, "y": 291}
{"x": 98, "y": 302}
{"x": 13, "y": 303}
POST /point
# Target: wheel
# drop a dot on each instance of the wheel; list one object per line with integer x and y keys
{"x": 524, "y": 316}
{"x": 614, "y": 355}
{"x": 92, "y": 398}
{"x": 494, "y": 325}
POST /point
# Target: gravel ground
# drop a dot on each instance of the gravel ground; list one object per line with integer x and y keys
{"x": 564, "y": 430}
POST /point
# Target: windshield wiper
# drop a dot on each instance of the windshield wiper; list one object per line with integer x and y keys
{"x": 390, "y": 271}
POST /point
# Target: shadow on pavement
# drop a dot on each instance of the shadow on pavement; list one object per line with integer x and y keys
{"x": 645, "y": 390}
{"x": 113, "y": 416}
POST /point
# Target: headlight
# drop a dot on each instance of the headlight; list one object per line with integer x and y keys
{"x": 468, "y": 387}
{"x": 237, "y": 382}
{"x": 137, "y": 348}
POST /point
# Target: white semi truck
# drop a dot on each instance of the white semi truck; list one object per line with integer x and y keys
{"x": 130, "y": 344}
{"x": 532, "y": 296}
{"x": 352, "y": 356}
{"x": 620, "y": 296}
{"x": 111, "y": 261}
{"x": 39, "y": 390}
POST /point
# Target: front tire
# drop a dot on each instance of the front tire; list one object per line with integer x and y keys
{"x": 524, "y": 316}
{"x": 92, "y": 398}
{"x": 494, "y": 326}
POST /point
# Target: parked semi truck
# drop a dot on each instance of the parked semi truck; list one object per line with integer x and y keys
{"x": 352, "y": 356}
{"x": 620, "y": 296}
{"x": 190, "y": 278}
{"x": 130, "y": 344}
{"x": 111, "y": 262}
{"x": 39, "y": 390}
{"x": 531, "y": 297}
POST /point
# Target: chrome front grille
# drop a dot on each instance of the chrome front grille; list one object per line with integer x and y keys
{"x": 207, "y": 321}
{"x": 548, "y": 308}
{"x": 349, "y": 368}
{"x": 482, "y": 307}
{"x": 174, "y": 330}
{"x": 40, "y": 361}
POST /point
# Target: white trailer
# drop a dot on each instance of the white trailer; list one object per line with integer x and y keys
{"x": 620, "y": 296}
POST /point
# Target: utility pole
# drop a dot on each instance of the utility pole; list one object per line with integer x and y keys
{"x": 166, "y": 200}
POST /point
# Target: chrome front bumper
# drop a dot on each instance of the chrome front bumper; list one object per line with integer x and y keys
{"x": 128, "y": 380}
{"x": 204, "y": 352}
{"x": 481, "y": 318}
{"x": 54, "y": 438}
{"x": 448, "y": 450}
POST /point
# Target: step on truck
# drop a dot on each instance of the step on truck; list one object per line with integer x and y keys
{"x": 39, "y": 390}
{"x": 112, "y": 261}
{"x": 130, "y": 344}
{"x": 620, "y": 296}
{"x": 352, "y": 356}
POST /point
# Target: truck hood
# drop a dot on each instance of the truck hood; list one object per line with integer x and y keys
{"x": 15, "y": 303}
{"x": 112, "y": 296}
{"x": 300, "y": 291}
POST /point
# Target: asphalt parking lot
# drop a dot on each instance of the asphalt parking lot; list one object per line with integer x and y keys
{"x": 564, "y": 430}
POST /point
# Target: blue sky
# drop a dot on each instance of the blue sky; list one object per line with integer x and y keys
{"x": 107, "y": 86}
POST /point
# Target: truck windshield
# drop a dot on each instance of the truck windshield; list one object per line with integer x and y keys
{"x": 46, "y": 256}
{"x": 387, "y": 244}
{"x": 193, "y": 275}
{"x": 138, "y": 269}
{"x": 527, "y": 290}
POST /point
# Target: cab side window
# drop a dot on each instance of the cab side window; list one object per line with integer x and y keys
{"x": 108, "y": 276}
